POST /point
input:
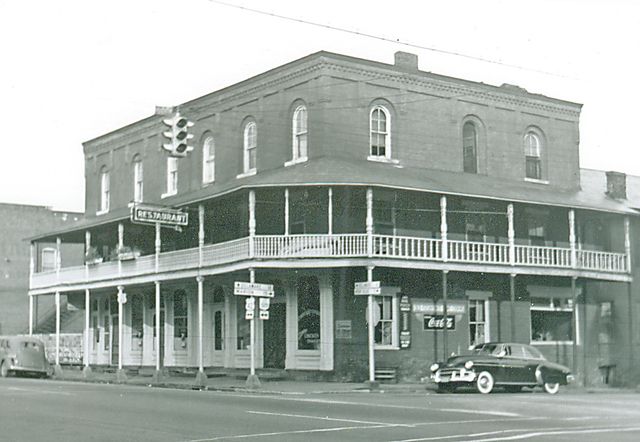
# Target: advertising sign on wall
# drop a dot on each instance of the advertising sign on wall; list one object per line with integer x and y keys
{"x": 437, "y": 322}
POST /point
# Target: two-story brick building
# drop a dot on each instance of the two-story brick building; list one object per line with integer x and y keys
{"x": 465, "y": 200}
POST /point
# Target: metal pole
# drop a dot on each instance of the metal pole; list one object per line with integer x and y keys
{"x": 574, "y": 346}
{"x": 371, "y": 331}
{"x": 87, "y": 311}
{"x": 330, "y": 211}
{"x": 200, "y": 280}
{"x": 157, "y": 284}
{"x": 121, "y": 301}
{"x": 445, "y": 296}
{"x": 252, "y": 338}
{"x": 444, "y": 228}
{"x": 57, "y": 301}
{"x": 512, "y": 305}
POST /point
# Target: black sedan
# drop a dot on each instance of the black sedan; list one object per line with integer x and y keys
{"x": 507, "y": 365}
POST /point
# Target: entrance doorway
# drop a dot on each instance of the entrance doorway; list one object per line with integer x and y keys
{"x": 275, "y": 336}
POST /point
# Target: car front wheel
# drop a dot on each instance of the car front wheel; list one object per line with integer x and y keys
{"x": 551, "y": 387}
{"x": 485, "y": 382}
{"x": 4, "y": 370}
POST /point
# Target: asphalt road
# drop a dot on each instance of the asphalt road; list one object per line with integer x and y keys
{"x": 37, "y": 410}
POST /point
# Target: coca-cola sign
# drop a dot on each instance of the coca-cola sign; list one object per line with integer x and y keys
{"x": 437, "y": 322}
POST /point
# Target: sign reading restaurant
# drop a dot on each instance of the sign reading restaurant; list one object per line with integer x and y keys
{"x": 158, "y": 215}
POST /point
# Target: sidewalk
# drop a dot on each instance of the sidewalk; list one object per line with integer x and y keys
{"x": 236, "y": 382}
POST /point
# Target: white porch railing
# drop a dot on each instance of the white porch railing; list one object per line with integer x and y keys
{"x": 338, "y": 246}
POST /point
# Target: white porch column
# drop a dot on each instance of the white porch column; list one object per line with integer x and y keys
{"x": 330, "y": 211}
{"x": 87, "y": 246}
{"x": 200, "y": 281}
{"x": 58, "y": 257}
{"x": 369, "y": 222}
{"x": 158, "y": 338}
{"x": 32, "y": 262}
{"x": 30, "y": 315}
{"x": 572, "y": 238}
{"x": 58, "y": 369}
{"x": 158, "y": 245}
{"x": 120, "y": 245}
{"x": 252, "y": 222}
{"x": 627, "y": 243}
{"x": 200, "y": 233}
{"x": 122, "y": 299}
{"x": 371, "y": 331}
{"x": 286, "y": 211}
{"x": 87, "y": 328}
{"x": 444, "y": 228}
{"x": 511, "y": 234}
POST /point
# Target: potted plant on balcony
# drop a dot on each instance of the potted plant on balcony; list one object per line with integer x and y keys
{"x": 92, "y": 256}
{"x": 126, "y": 253}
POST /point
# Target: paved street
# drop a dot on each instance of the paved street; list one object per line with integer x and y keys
{"x": 33, "y": 410}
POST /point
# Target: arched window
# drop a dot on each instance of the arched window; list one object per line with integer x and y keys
{"x": 250, "y": 147}
{"x": 532, "y": 155}
{"x": 208, "y": 160}
{"x": 138, "y": 179}
{"x": 104, "y": 189}
{"x": 300, "y": 133}
{"x": 470, "y": 147}
{"x": 379, "y": 140}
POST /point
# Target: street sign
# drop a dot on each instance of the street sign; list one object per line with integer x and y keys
{"x": 264, "y": 303}
{"x": 248, "y": 315}
{"x": 250, "y": 304}
{"x": 253, "y": 289}
{"x": 147, "y": 214}
{"x": 367, "y": 288}
{"x": 264, "y": 314}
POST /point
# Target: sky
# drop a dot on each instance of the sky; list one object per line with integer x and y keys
{"x": 71, "y": 70}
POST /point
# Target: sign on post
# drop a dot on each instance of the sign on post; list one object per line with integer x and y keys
{"x": 264, "y": 303}
{"x": 250, "y": 304}
{"x": 367, "y": 288}
{"x": 253, "y": 289}
{"x": 264, "y": 314}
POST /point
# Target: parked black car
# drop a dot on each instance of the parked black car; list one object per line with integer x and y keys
{"x": 508, "y": 365}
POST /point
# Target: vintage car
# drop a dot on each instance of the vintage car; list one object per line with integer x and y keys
{"x": 508, "y": 365}
{"x": 22, "y": 354}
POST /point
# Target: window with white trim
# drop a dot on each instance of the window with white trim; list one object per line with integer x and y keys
{"x": 386, "y": 330}
{"x": 470, "y": 147}
{"x": 533, "y": 153}
{"x": 250, "y": 147}
{"x": 104, "y": 190}
{"x": 379, "y": 133}
{"x": 180, "y": 320}
{"x": 138, "y": 179}
{"x": 300, "y": 133}
{"x": 208, "y": 160}
{"x": 48, "y": 262}
{"x": 551, "y": 319}
{"x": 478, "y": 330}
{"x": 172, "y": 176}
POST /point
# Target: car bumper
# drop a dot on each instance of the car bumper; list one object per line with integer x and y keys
{"x": 458, "y": 375}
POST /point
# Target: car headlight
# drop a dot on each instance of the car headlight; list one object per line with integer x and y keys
{"x": 434, "y": 367}
{"x": 468, "y": 365}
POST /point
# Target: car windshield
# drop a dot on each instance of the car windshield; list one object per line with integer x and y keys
{"x": 488, "y": 349}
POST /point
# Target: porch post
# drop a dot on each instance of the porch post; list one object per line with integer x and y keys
{"x": 252, "y": 380}
{"x": 87, "y": 246}
{"x": 57, "y": 368}
{"x": 330, "y": 211}
{"x": 30, "y": 315}
{"x": 200, "y": 233}
{"x": 120, "y": 244}
{"x": 32, "y": 262}
{"x": 87, "y": 348}
{"x": 511, "y": 234}
{"x": 574, "y": 323}
{"x": 444, "y": 228}
{"x": 369, "y": 222}
{"x": 157, "y": 375}
{"x": 627, "y": 244}
{"x": 122, "y": 299}
{"x": 252, "y": 223}
{"x": 201, "y": 377}
{"x": 371, "y": 332}
{"x": 58, "y": 257}
{"x": 445, "y": 298}
{"x": 286, "y": 211}
{"x": 572, "y": 238}
{"x": 158, "y": 245}
{"x": 512, "y": 305}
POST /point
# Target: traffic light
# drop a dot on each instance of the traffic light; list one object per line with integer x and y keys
{"x": 178, "y": 135}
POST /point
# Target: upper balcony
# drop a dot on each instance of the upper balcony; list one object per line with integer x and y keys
{"x": 386, "y": 250}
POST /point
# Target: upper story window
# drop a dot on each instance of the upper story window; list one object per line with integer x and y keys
{"x": 104, "y": 190}
{"x": 533, "y": 155}
{"x": 300, "y": 133}
{"x": 138, "y": 179}
{"x": 250, "y": 147}
{"x": 379, "y": 133}
{"x": 49, "y": 258}
{"x": 172, "y": 176}
{"x": 470, "y": 147}
{"x": 208, "y": 160}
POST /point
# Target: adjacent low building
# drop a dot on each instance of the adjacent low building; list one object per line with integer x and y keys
{"x": 464, "y": 200}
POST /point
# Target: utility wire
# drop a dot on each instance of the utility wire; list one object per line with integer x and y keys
{"x": 385, "y": 39}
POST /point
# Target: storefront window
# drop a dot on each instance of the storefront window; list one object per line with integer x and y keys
{"x": 477, "y": 322}
{"x": 180, "y": 324}
{"x": 551, "y": 319}
{"x": 384, "y": 330}
{"x": 218, "y": 342}
{"x": 308, "y": 291}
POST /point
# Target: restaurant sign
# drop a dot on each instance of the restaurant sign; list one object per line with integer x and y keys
{"x": 158, "y": 215}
